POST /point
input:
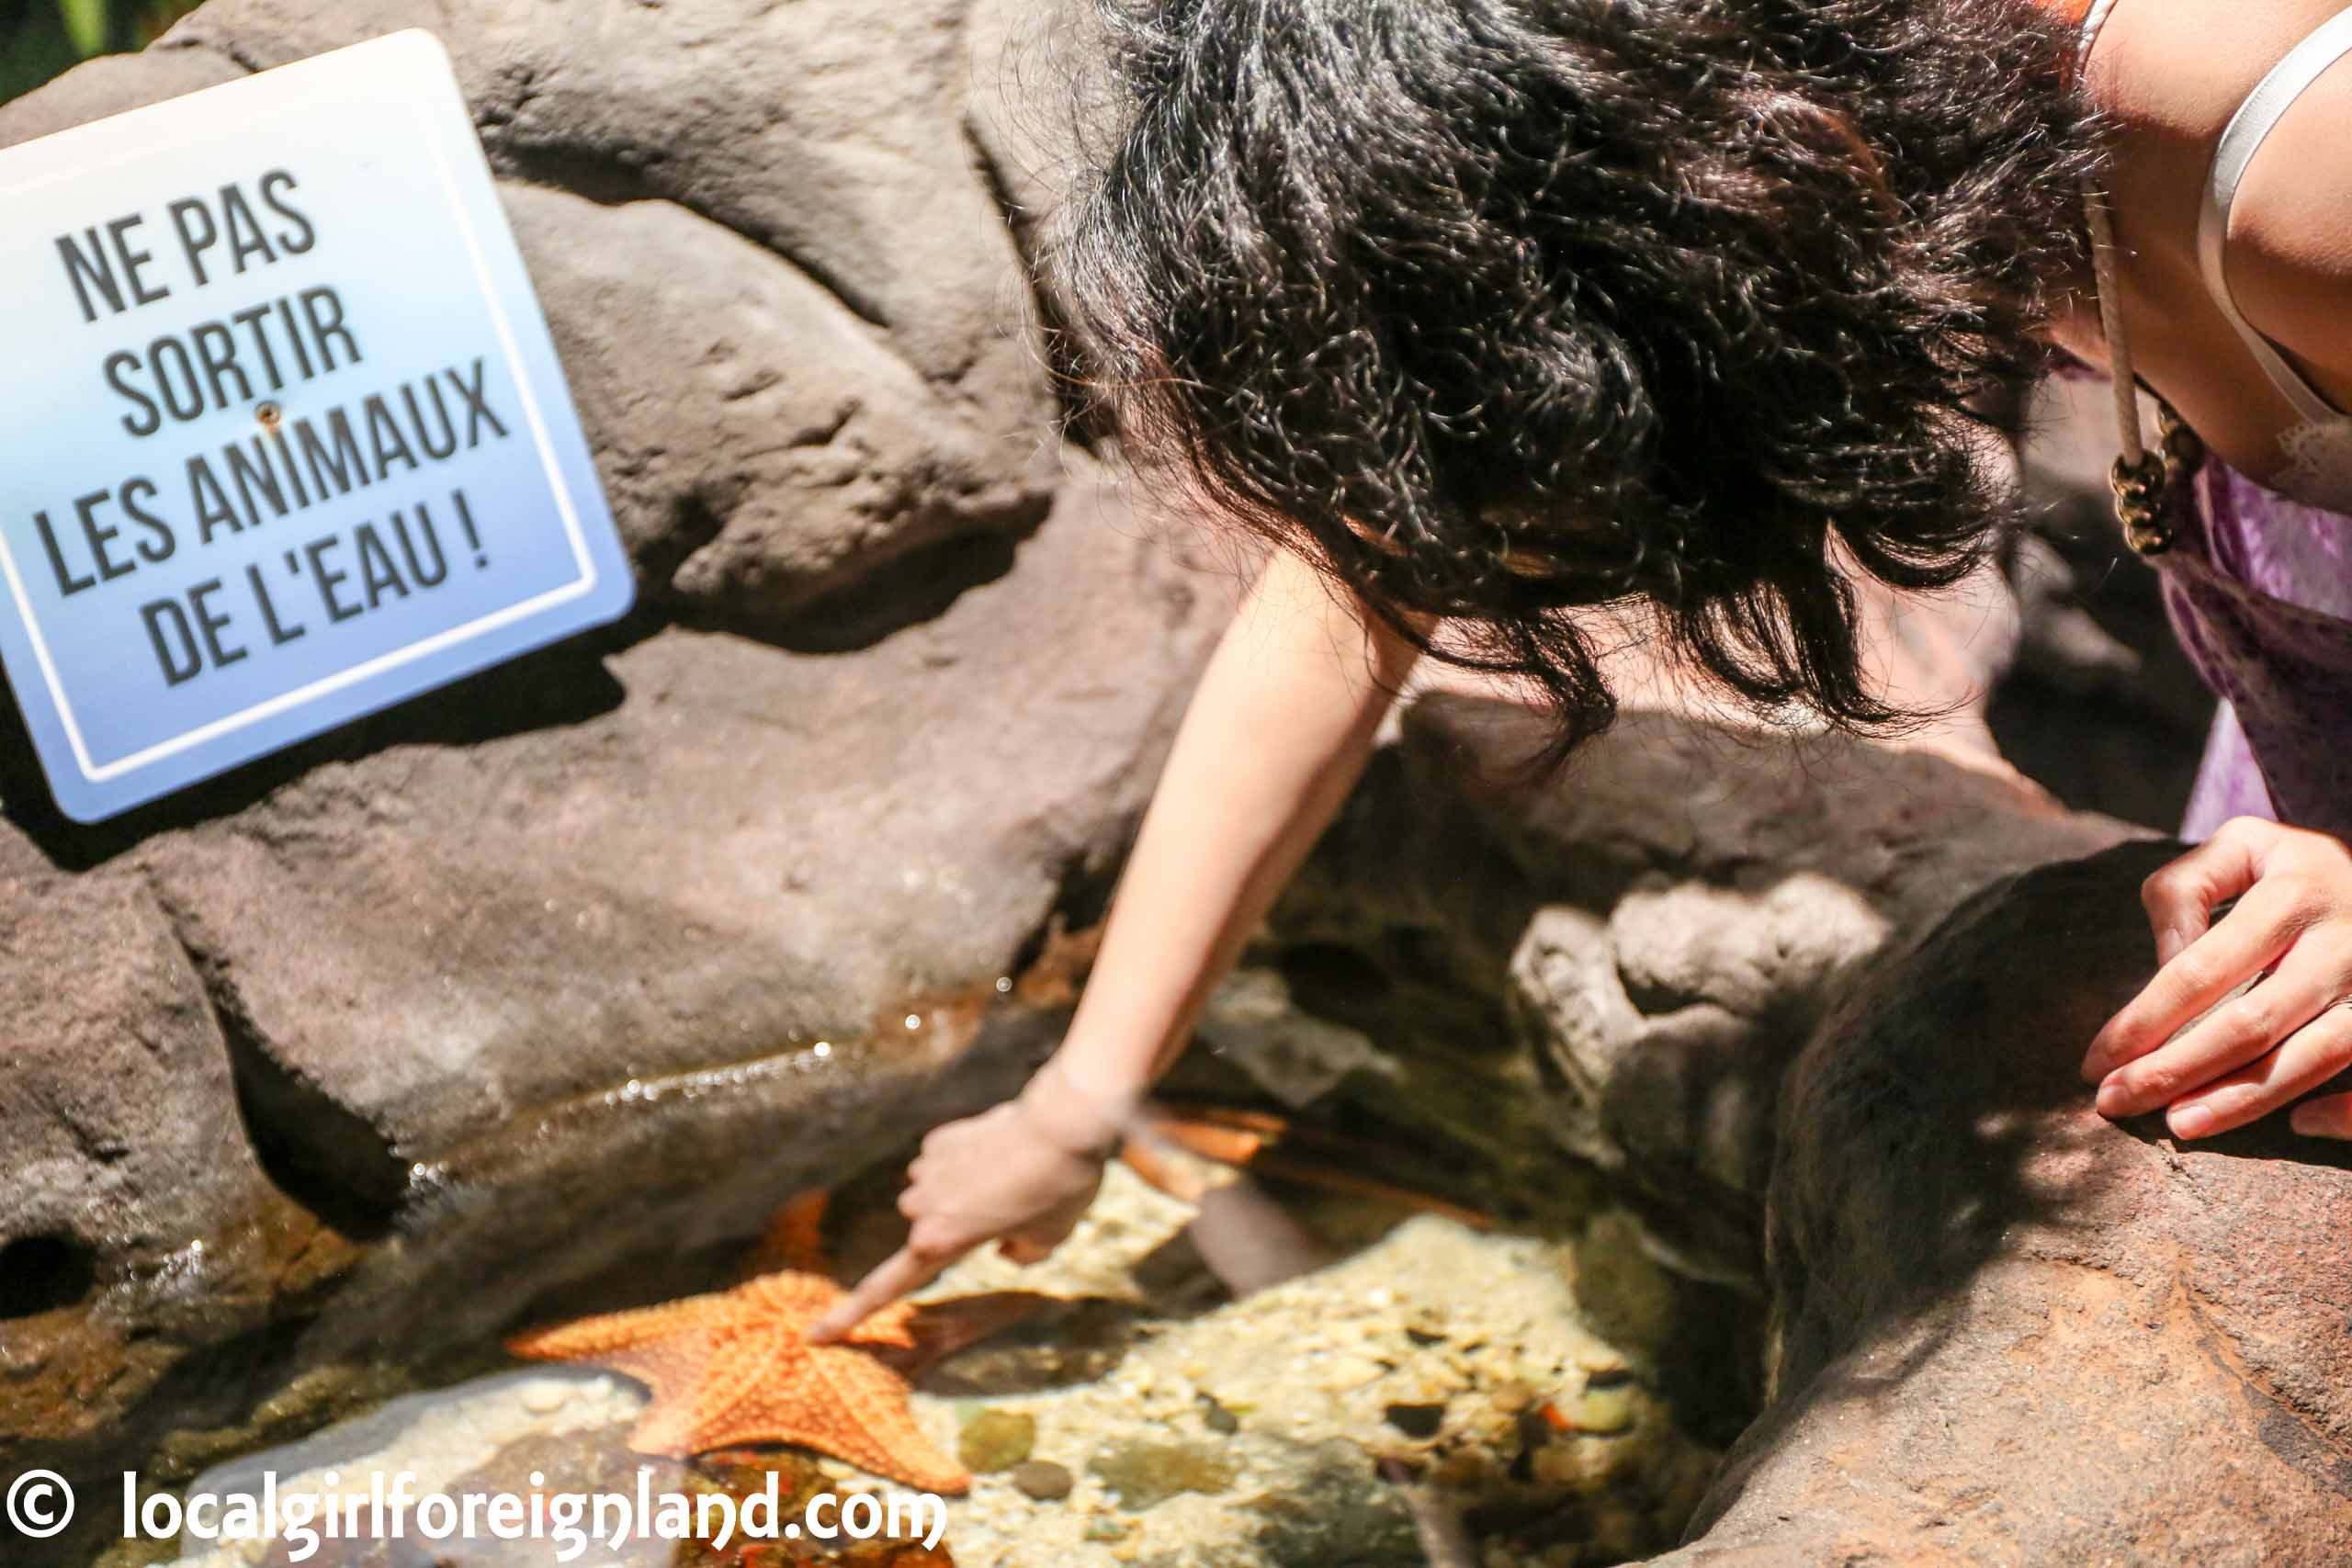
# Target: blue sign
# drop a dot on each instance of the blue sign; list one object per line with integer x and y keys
{"x": 287, "y": 439}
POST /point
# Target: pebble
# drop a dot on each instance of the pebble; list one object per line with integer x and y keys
{"x": 546, "y": 1396}
{"x": 1217, "y": 1417}
{"x": 1417, "y": 1420}
{"x": 1602, "y": 1411}
{"x": 1043, "y": 1481}
{"x": 993, "y": 1440}
{"x": 1556, "y": 1464}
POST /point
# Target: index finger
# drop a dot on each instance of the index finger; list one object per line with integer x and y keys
{"x": 2238, "y": 947}
{"x": 2181, "y": 896}
{"x": 896, "y": 1275}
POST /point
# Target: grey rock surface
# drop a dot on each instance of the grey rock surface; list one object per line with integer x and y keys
{"x": 841, "y": 366}
{"x": 324, "y": 1073}
{"x": 1620, "y": 963}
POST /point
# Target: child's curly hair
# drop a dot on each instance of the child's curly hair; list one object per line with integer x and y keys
{"x": 1500, "y": 308}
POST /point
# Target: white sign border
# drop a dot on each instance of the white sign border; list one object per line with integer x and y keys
{"x": 436, "y": 139}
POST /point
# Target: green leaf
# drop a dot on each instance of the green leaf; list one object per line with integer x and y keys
{"x": 86, "y": 24}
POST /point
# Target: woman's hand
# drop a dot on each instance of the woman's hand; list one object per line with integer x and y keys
{"x": 1274, "y": 739}
{"x": 1020, "y": 1175}
{"x": 2288, "y": 1033}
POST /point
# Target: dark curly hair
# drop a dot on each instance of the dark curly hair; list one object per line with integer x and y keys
{"x": 1499, "y": 309}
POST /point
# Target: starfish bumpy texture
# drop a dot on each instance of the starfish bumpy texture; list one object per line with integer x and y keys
{"x": 736, "y": 1368}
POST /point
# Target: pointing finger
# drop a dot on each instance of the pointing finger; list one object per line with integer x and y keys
{"x": 904, "y": 1271}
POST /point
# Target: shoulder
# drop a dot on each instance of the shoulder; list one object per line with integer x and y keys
{"x": 2290, "y": 257}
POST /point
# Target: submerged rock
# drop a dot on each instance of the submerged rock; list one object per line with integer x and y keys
{"x": 1043, "y": 1481}
{"x": 1143, "y": 1474}
{"x": 1217, "y": 1417}
{"x": 1333, "y": 1508}
{"x": 991, "y": 1441}
{"x": 1604, "y": 1412}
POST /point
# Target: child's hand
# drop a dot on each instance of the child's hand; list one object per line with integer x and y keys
{"x": 1020, "y": 1175}
{"x": 2290, "y": 1032}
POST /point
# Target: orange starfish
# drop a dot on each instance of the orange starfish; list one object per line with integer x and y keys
{"x": 734, "y": 1369}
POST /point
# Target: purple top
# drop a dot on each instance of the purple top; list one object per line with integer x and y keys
{"x": 2260, "y": 591}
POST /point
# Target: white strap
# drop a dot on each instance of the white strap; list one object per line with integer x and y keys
{"x": 2093, "y": 19}
{"x": 2120, "y": 376}
{"x": 2101, "y": 223}
{"x": 2254, "y": 120}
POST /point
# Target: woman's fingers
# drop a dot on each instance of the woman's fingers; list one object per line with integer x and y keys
{"x": 1035, "y": 1241}
{"x": 2240, "y": 1030}
{"x": 2329, "y": 1116}
{"x": 910, "y": 1268}
{"x": 2237, "y": 948}
{"x": 2181, "y": 897}
{"x": 2310, "y": 1056}
{"x": 2217, "y": 1060}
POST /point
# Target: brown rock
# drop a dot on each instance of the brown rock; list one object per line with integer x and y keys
{"x": 2015, "y": 1331}
{"x": 1043, "y": 1481}
{"x": 1622, "y": 963}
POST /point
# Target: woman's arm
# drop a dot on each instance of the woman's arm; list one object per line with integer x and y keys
{"x": 1275, "y": 736}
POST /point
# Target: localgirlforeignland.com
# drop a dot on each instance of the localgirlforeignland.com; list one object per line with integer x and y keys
{"x": 392, "y": 1510}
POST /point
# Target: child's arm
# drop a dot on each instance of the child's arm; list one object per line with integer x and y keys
{"x": 1275, "y": 736}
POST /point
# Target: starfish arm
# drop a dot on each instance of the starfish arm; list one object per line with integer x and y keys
{"x": 891, "y": 1328}
{"x": 595, "y": 1338}
{"x": 858, "y": 1408}
{"x": 734, "y": 1369}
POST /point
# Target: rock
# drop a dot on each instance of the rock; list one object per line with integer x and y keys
{"x": 1143, "y": 1474}
{"x": 1293, "y": 1055}
{"x": 1601, "y": 1411}
{"x": 1335, "y": 1510}
{"x": 1622, "y": 966}
{"x": 2014, "y": 1330}
{"x": 1622, "y": 1291}
{"x": 457, "y": 998}
{"x": 494, "y": 1005}
{"x": 1043, "y": 1481}
{"x": 140, "y": 1234}
{"x": 806, "y": 180}
{"x": 1419, "y": 1421}
{"x": 992, "y": 1440}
